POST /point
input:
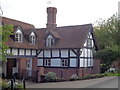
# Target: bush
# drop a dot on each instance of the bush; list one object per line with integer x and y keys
{"x": 87, "y": 77}
{"x": 19, "y": 86}
{"x": 74, "y": 77}
{"x": 50, "y": 77}
{"x": 4, "y": 85}
{"x": 80, "y": 78}
{"x": 7, "y": 85}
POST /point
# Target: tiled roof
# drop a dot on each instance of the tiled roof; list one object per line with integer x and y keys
{"x": 24, "y": 25}
{"x": 67, "y": 36}
{"x": 27, "y": 28}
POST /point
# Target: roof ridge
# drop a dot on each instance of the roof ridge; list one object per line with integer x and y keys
{"x": 74, "y": 25}
{"x": 18, "y": 21}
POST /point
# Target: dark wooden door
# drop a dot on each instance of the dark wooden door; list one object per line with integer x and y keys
{"x": 10, "y": 63}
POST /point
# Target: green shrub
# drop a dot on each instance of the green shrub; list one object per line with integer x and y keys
{"x": 74, "y": 77}
{"x": 87, "y": 77}
{"x": 4, "y": 85}
{"x": 7, "y": 85}
{"x": 80, "y": 78}
{"x": 19, "y": 86}
{"x": 50, "y": 77}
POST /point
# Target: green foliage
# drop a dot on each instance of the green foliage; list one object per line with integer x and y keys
{"x": 50, "y": 76}
{"x": 19, "y": 86}
{"x": 107, "y": 32}
{"x": 4, "y": 85}
{"x": 5, "y": 32}
{"x": 107, "y": 56}
{"x": 112, "y": 74}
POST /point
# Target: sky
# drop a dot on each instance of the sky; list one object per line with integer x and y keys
{"x": 69, "y": 12}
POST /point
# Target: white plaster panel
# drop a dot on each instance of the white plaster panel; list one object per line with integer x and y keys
{"x": 55, "y": 62}
{"x": 85, "y": 44}
{"x": 33, "y": 52}
{"x": 84, "y": 53}
{"x": 27, "y": 52}
{"x": 89, "y": 62}
{"x": 91, "y": 53}
{"x": 47, "y": 53}
{"x": 40, "y": 62}
{"x": 55, "y": 53}
{"x": 92, "y": 43}
{"x": 88, "y": 52}
{"x": 64, "y": 53}
{"x": 40, "y": 54}
{"x": 85, "y": 62}
{"x": 92, "y": 62}
{"x": 73, "y": 62}
{"x": 81, "y": 62}
{"x": 15, "y": 51}
{"x": 90, "y": 36}
{"x": 72, "y": 53}
{"x": 21, "y": 51}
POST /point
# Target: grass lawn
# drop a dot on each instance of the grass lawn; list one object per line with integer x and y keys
{"x": 113, "y": 74}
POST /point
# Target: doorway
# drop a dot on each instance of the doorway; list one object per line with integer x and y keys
{"x": 29, "y": 67}
{"x": 12, "y": 67}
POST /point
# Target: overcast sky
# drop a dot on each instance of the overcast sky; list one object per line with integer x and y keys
{"x": 69, "y": 12}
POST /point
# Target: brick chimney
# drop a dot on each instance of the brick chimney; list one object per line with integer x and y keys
{"x": 51, "y": 18}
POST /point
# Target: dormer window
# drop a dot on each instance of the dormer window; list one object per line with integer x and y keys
{"x": 49, "y": 41}
{"x": 32, "y": 38}
{"x": 18, "y": 36}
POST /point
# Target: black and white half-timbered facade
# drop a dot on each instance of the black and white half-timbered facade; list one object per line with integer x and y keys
{"x": 64, "y": 50}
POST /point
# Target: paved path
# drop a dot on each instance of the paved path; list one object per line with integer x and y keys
{"x": 105, "y": 82}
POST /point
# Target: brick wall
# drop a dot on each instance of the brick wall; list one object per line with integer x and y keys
{"x": 62, "y": 73}
{"x": 96, "y": 66}
{"x": 68, "y": 72}
{"x": 21, "y": 67}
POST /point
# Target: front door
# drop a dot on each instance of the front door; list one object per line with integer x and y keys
{"x": 12, "y": 67}
{"x": 29, "y": 67}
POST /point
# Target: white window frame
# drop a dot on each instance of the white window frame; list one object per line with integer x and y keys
{"x": 49, "y": 41}
{"x": 18, "y": 36}
{"x": 64, "y": 62}
{"x": 32, "y": 38}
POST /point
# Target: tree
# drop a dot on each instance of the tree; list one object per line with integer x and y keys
{"x": 107, "y": 32}
{"x": 5, "y": 32}
{"x": 107, "y": 56}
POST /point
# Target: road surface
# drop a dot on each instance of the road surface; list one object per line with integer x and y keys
{"x": 105, "y": 82}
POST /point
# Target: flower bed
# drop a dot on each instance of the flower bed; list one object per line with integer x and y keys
{"x": 51, "y": 77}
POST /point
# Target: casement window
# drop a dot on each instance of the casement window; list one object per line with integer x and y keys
{"x": 49, "y": 41}
{"x": 64, "y": 62}
{"x": 18, "y": 36}
{"x": 40, "y": 62}
{"x": 32, "y": 38}
{"x": 47, "y": 62}
{"x": 29, "y": 63}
